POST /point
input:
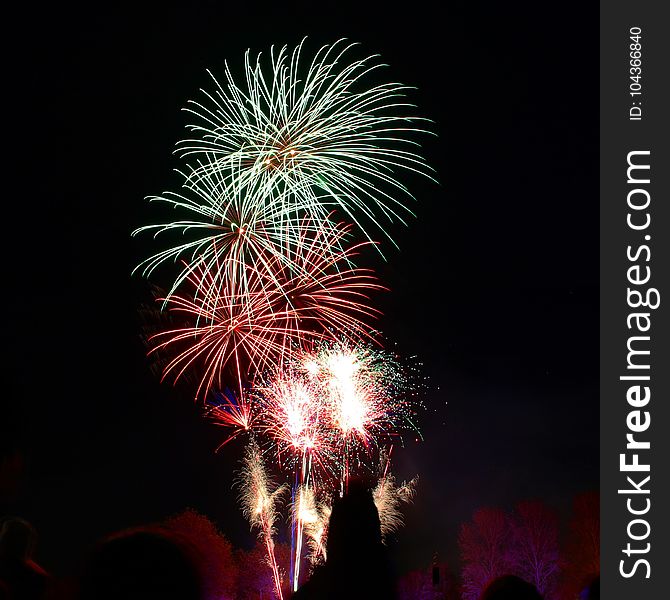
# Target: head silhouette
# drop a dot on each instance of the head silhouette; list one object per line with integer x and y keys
{"x": 356, "y": 566}
{"x": 354, "y": 528}
{"x": 17, "y": 539}
{"x": 142, "y": 563}
{"x": 510, "y": 587}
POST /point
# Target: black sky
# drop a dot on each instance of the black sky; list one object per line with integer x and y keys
{"x": 495, "y": 287}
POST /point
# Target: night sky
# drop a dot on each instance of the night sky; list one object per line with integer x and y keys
{"x": 495, "y": 286}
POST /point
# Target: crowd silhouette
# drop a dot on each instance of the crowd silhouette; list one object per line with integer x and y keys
{"x": 144, "y": 563}
{"x": 159, "y": 562}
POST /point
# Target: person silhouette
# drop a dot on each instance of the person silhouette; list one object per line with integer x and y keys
{"x": 592, "y": 590}
{"x": 510, "y": 587}
{"x": 22, "y": 577}
{"x": 143, "y": 563}
{"x": 356, "y": 565}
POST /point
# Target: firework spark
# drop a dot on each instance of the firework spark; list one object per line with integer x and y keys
{"x": 293, "y": 416}
{"x": 314, "y": 516}
{"x": 363, "y": 388}
{"x": 389, "y": 497}
{"x": 310, "y": 519}
{"x": 231, "y": 410}
{"x": 292, "y": 413}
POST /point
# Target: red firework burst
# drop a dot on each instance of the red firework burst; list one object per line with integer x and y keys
{"x": 269, "y": 311}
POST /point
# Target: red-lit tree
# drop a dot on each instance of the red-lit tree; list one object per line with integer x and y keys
{"x": 255, "y": 581}
{"x": 215, "y": 552}
{"x": 581, "y": 552}
{"x": 485, "y": 553}
{"x": 534, "y": 546}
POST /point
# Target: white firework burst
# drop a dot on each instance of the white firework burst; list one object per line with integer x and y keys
{"x": 310, "y": 139}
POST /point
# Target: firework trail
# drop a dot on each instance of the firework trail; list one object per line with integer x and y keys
{"x": 314, "y": 516}
{"x": 302, "y": 512}
{"x": 292, "y": 416}
{"x": 310, "y": 519}
{"x": 259, "y": 503}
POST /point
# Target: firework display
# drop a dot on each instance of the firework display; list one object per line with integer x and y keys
{"x": 323, "y": 417}
{"x": 333, "y": 406}
{"x": 270, "y": 314}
